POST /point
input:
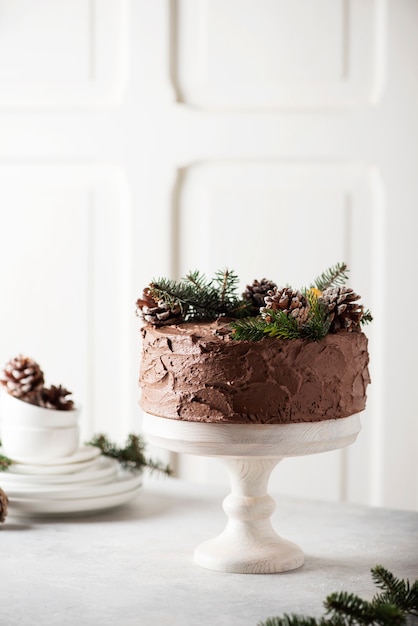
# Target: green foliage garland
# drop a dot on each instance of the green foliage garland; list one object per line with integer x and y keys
{"x": 201, "y": 299}
{"x": 393, "y": 606}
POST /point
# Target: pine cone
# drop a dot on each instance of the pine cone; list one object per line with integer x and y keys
{"x": 257, "y": 291}
{"x": 22, "y": 377}
{"x": 3, "y": 505}
{"x": 158, "y": 313}
{"x": 290, "y": 301}
{"x": 344, "y": 312}
{"x": 54, "y": 398}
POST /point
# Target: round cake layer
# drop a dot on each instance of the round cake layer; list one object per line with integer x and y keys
{"x": 196, "y": 372}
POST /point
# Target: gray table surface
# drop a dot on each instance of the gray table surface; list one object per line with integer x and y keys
{"x": 134, "y": 564}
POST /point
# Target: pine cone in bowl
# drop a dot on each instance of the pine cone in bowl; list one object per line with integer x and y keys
{"x": 22, "y": 377}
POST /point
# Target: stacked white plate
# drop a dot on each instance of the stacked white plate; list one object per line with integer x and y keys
{"x": 85, "y": 482}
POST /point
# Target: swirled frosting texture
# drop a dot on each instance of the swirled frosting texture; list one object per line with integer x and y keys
{"x": 196, "y": 372}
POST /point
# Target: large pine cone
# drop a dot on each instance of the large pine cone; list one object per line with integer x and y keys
{"x": 344, "y": 312}
{"x": 22, "y": 377}
{"x": 256, "y": 292}
{"x": 158, "y": 313}
{"x": 54, "y": 398}
{"x": 3, "y": 505}
{"x": 290, "y": 301}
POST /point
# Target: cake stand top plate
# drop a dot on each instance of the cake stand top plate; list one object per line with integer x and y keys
{"x": 213, "y": 439}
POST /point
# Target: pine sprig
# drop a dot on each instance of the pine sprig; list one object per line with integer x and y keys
{"x": 395, "y": 590}
{"x": 131, "y": 457}
{"x": 202, "y": 299}
{"x": 397, "y": 600}
{"x": 367, "y": 317}
{"x": 281, "y": 325}
{"x": 248, "y": 329}
{"x": 318, "y": 323}
{"x": 332, "y": 277}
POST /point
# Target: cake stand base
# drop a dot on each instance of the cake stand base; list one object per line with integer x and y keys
{"x": 249, "y": 544}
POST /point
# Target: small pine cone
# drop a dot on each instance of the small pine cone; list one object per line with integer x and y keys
{"x": 344, "y": 312}
{"x": 54, "y": 398}
{"x": 257, "y": 291}
{"x": 3, "y": 505}
{"x": 22, "y": 377}
{"x": 290, "y": 301}
{"x": 158, "y": 313}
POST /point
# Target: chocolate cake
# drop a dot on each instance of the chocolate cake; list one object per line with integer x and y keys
{"x": 205, "y": 371}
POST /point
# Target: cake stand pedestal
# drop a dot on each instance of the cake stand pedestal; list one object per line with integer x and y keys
{"x": 249, "y": 544}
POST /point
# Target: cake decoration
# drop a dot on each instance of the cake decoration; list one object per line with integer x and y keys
{"x": 272, "y": 355}
{"x": 327, "y": 305}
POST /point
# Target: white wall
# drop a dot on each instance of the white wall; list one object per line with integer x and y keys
{"x": 147, "y": 138}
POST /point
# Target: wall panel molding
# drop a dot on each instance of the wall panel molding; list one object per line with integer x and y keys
{"x": 259, "y": 54}
{"x": 83, "y": 59}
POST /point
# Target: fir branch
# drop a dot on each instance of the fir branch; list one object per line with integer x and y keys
{"x": 281, "y": 326}
{"x": 292, "y": 620}
{"x": 391, "y": 607}
{"x": 131, "y": 457}
{"x": 359, "y": 611}
{"x": 395, "y": 590}
{"x": 367, "y": 317}
{"x": 277, "y": 325}
{"x": 248, "y": 329}
{"x": 5, "y": 463}
{"x": 332, "y": 277}
{"x": 318, "y": 323}
{"x": 227, "y": 282}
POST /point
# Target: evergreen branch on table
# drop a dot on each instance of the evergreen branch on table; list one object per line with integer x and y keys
{"x": 292, "y": 620}
{"x": 332, "y": 277}
{"x": 395, "y": 590}
{"x": 5, "y": 463}
{"x": 359, "y": 611}
{"x": 397, "y": 602}
{"x": 131, "y": 457}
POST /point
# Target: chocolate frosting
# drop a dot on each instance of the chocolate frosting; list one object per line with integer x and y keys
{"x": 196, "y": 372}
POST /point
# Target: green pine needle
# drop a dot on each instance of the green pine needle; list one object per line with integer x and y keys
{"x": 332, "y": 277}
{"x": 131, "y": 457}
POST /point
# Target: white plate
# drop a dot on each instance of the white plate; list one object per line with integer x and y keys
{"x": 123, "y": 481}
{"x": 35, "y": 508}
{"x": 102, "y": 469}
{"x": 85, "y": 453}
{"x": 57, "y": 470}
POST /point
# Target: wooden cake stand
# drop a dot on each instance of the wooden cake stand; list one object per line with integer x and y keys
{"x": 249, "y": 543}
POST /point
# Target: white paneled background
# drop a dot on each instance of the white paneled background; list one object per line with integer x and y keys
{"x": 275, "y": 137}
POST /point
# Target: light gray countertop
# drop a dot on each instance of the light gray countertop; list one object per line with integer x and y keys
{"x": 134, "y": 565}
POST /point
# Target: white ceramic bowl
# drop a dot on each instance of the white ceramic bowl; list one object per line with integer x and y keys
{"x": 29, "y": 445}
{"x": 32, "y": 433}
